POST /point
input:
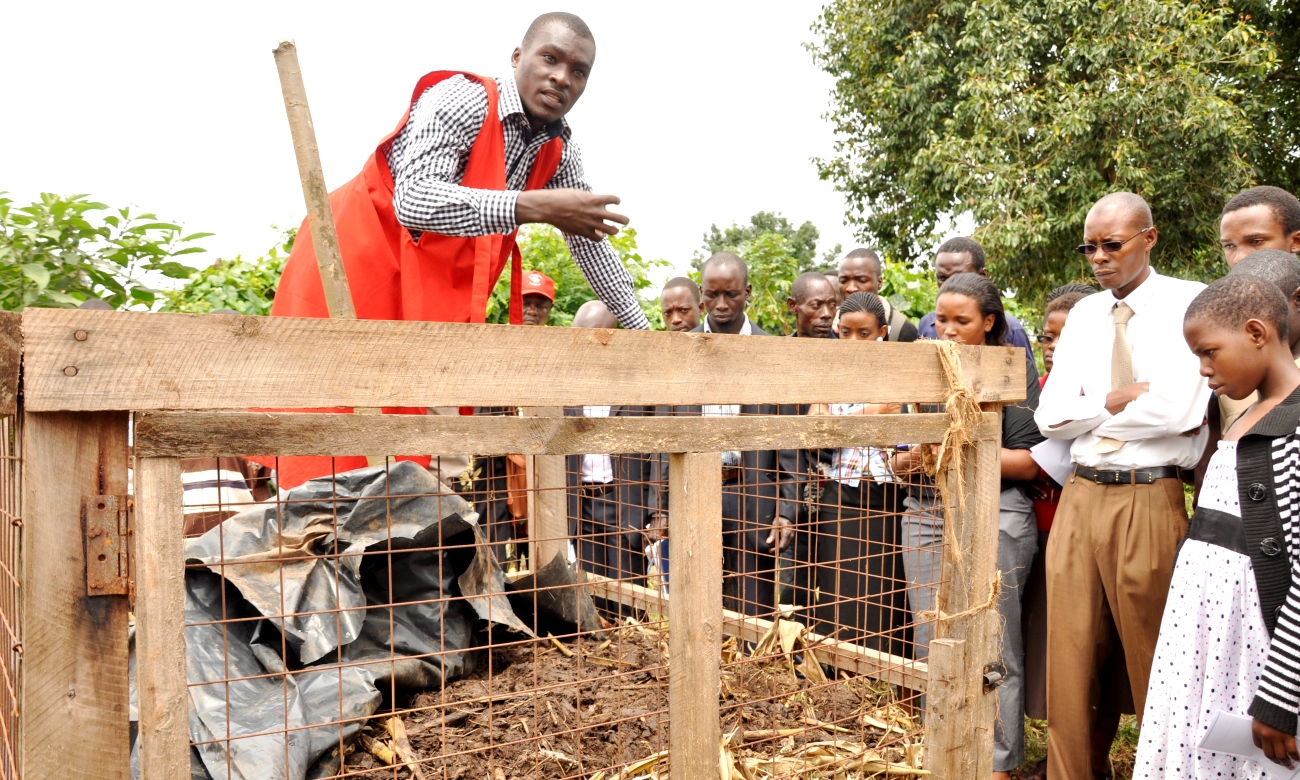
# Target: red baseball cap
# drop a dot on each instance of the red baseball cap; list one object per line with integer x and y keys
{"x": 538, "y": 283}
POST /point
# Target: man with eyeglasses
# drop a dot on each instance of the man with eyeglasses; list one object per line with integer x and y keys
{"x": 1128, "y": 391}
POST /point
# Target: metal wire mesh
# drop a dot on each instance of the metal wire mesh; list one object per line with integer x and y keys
{"x": 489, "y": 620}
{"x": 11, "y": 528}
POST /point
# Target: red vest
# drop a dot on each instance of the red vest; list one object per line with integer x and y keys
{"x": 393, "y": 277}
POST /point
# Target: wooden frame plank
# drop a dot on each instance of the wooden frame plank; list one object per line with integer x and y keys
{"x": 548, "y": 504}
{"x": 211, "y": 434}
{"x": 74, "y": 677}
{"x": 160, "y": 619}
{"x": 962, "y": 747}
{"x": 847, "y": 656}
{"x": 695, "y": 615}
{"x": 143, "y": 361}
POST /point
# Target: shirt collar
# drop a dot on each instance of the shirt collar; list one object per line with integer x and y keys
{"x": 1141, "y": 297}
{"x": 509, "y": 104}
{"x": 745, "y": 330}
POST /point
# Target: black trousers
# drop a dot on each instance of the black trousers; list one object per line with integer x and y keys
{"x": 489, "y": 498}
{"x": 859, "y": 575}
{"x": 748, "y": 561}
{"x": 604, "y": 547}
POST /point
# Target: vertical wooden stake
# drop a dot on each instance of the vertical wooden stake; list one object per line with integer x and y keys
{"x": 324, "y": 239}
{"x": 74, "y": 699}
{"x": 160, "y": 619}
{"x": 695, "y": 612}
{"x": 963, "y": 744}
{"x": 548, "y": 504}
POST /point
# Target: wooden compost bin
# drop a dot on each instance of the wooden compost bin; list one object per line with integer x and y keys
{"x": 185, "y": 379}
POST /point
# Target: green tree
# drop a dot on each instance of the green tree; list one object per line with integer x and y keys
{"x": 544, "y": 250}
{"x": 246, "y": 286}
{"x": 801, "y": 241}
{"x": 59, "y": 251}
{"x": 1023, "y": 113}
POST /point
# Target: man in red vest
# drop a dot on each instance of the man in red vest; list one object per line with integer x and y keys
{"x": 426, "y": 228}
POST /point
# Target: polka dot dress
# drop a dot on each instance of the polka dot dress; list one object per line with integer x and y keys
{"x": 1212, "y": 648}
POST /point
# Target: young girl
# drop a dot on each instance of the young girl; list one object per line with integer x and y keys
{"x": 1230, "y": 635}
{"x": 858, "y": 554}
{"x": 969, "y": 311}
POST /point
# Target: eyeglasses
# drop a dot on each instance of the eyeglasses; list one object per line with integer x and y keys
{"x": 1109, "y": 247}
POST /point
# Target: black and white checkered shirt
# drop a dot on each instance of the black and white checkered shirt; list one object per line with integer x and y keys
{"x": 428, "y": 157}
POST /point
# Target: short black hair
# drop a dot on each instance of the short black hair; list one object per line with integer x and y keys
{"x": 799, "y": 290}
{"x": 1286, "y": 208}
{"x": 1064, "y": 297}
{"x": 985, "y": 294}
{"x": 682, "y": 281}
{"x": 964, "y": 245}
{"x": 722, "y": 260}
{"x": 871, "y": 255}
{"x": 1236, "y": 298}
{"x": 1280, "y": 268}
{"x": 865, "y": 302}
{"x": 570, "y": 21}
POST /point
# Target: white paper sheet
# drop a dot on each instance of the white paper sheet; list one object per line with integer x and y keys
{"x": 1231, "y": 734}
{"x": 1053, "y": 456}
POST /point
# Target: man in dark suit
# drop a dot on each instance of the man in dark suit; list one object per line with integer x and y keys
{"x": 752, "y": 532}
{"x": 606, "y": 495}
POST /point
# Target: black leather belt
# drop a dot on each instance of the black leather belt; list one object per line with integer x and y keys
{"x": 1129, "y": 477}
{"x": 591, "y": 490}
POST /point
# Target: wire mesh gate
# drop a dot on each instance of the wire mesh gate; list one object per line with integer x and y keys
{"x": 623, "y": 686}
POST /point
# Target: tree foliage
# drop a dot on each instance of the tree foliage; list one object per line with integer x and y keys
{"x": 544, "y": 249}
{"x": 1023, "y": 113}
{"x": 246, "y": 286}
{"x": 60, "y": 251}
{"x": 800, "y": 242}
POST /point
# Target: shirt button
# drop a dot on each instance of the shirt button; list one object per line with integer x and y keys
{"x": 1256, "y": 492}
{"x": 1270, "y": 547}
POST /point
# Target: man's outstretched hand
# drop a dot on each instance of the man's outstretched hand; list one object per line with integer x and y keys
{"x": 576, "y": 212}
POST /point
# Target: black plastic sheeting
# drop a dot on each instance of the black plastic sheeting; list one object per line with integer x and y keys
{"x": 303, "y": 634}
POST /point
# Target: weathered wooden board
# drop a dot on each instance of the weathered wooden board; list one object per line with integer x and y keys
{"x": 74, "y": 682}
{"x": 11, "y": 360}
{"x": 208, "y": 434}
{"x": 142, "y": 361}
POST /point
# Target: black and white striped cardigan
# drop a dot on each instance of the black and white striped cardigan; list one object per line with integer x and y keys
{"x": 1268, "y": 482}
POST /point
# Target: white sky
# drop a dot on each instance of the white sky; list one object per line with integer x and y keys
{"x": 696, "y": 113}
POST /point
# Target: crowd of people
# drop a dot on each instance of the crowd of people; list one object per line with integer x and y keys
{"x": 1111, "y": 600}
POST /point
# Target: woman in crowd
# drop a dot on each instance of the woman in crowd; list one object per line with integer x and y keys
{"x": 969, "y": 311}
{"x": 860, "y": 583}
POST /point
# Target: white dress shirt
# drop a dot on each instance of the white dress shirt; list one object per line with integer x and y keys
{"x": 730, "y": 458}
{"x": 1073, "y": 403}
{"x": 596, "y": 469}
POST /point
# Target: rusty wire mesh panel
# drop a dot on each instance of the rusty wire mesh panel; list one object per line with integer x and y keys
{"x": 476, "y": 615}
{"x": 11, "y": 528}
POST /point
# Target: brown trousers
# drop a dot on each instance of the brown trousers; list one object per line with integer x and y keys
{"x": 1110, "y": 558}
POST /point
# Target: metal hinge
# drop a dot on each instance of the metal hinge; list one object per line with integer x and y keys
{"x": 108, "y": 529}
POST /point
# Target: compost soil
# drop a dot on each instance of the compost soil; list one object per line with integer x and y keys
{"x": 532, "y": 710}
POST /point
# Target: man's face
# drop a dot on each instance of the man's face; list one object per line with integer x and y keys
{"x": 552, "y": 73}
{"x": 858, "y": 274}
{"x": 1127, "y": 267}
{"x": 680, "y": 309}
{"x": 949, "y": 264}
{"x": 1251, "y": 229}
{"x": 814, "y": 314}
{"x": 725, "y": 293}
{"x": 537, "y": 309}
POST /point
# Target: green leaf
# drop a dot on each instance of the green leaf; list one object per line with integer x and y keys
{"x": 38, "y": 273}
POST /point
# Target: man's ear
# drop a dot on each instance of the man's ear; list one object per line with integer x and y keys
{"x": 790, "y": 304}
{"x": 1295, "y": 242}
{"x": 514, "y": 57}
{"x": 749, "y": 292}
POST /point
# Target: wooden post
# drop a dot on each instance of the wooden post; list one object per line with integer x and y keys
{"x": 959, "y": 744}
{"x": 324, "y": 239}
{"x": 160, "y": 619}
{"x": 74, "y": 684}
{"x": 548, "y": 504}
{"x": 695, "y": 613}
